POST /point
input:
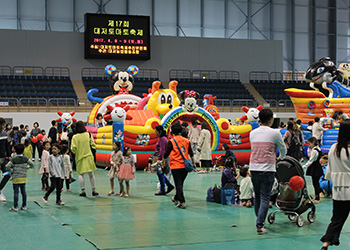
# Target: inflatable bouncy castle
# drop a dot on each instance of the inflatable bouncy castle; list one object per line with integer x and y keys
{"x": 309, "y": 104}
{"x": 132, "y": 119}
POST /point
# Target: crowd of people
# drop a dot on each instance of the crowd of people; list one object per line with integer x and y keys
{"x": 75, "y": 147}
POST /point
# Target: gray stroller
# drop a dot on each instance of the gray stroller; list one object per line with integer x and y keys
{"x": 292, "y": 203}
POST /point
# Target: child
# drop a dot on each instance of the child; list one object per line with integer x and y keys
{"x": 64, "y": 136}
{"x": 100, "y": 122}
{"x": 116, "y": 159}
{"x": 228, "y": 177}
{"x": 150, "y": 162}
{"x": 44, "y": 139}
{"x": 19, "y": 164}
{"x": 126, "y": 171}
{"x": 28, "y": 149}
{"x": 246, "y": 188}
{"x": 44, "y": 168}
{"x": 325, "y": 185}
{"x": 56, "y": 173}
{"x": 67, "y": 166}
{"x": 313, "y": 165}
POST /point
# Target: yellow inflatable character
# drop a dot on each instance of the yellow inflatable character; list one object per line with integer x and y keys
{"x": 163, "y": 100}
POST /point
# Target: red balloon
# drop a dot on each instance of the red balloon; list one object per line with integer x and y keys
{"x": 34, "y": 139}
{"x": 296, "y": 183}
{"x": 39, "y": 136}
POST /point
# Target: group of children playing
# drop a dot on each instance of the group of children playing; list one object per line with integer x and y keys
{"x": 57, "y": 167}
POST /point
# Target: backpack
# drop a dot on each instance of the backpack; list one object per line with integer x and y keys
{"x": 295, "y": 146}
{"x": 210, "y": 195}
{"x": 217, "y": 194}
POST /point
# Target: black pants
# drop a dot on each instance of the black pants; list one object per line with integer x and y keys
{"x": 316, "y": 184}
{"x": 56, "y": 183}
{"x": 37, "y": 145}
{"x": 45, "y": 180}
{"x": 341, "y": 211}
{"x": 6, "y": 178}
{"x": 67, "y": 183}
{"x": 179, "y": 178}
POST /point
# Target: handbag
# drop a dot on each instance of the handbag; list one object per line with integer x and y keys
{"x": 188, "y": 164}
{"x": 93, "y": 151}
{"x": 71, "y": 179}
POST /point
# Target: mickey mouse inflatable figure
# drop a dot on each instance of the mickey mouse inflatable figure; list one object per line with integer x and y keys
{"x": 121, "y": 82}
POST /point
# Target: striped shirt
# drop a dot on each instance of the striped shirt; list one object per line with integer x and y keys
{"x": 264, "y": 142}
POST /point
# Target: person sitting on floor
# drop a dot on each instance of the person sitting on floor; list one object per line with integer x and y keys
{"x": 246, "y": 188}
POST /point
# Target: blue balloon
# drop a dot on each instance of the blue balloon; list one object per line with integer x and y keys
{"x": 110, "y": 69}
{"x": 133, "y": 70}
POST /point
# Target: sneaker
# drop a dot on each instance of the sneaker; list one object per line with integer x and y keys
{"x": 24, "y": 208}
{"x": 322, "y": 195}
{"x": 2, "y": 196}
{"x": 174, "y": 201}
{"x": 261, "y": 231}
{"x": 43, "y": 189}
{"x": 160, "y": 193}
{"x": 60, "y": 203}
{"x": 170, "y": 188}
{"x": 83, "y": 194}
{"x": 181, "y": 205}
{"x": 14, "y": 209}
{"x": 39, "y": 159}
{"x": 94, "y": 193}
{"x": 45, "y": 200}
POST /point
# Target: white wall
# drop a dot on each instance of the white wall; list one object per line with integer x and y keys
{"x": 66, "y": 49}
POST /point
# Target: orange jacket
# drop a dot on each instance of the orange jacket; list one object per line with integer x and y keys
{"x": 176, "y": 160}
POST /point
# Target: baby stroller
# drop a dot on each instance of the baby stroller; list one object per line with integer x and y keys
{"x": 290, "y": 202}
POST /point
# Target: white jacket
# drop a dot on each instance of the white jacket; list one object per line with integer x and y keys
{"x": 338, "y": 172}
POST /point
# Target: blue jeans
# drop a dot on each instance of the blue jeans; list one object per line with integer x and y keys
{"x": 16, "y": 188}
{"x": 262, "y": 184}
{"x": 163, "y": 180}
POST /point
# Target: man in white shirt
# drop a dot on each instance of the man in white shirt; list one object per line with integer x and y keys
{"x": 264, "y": 141}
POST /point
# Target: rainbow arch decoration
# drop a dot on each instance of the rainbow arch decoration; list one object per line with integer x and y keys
{"x": 201, "y": 114}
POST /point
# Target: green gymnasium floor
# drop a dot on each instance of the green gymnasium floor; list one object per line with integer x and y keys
{"x": 145, "y": 221}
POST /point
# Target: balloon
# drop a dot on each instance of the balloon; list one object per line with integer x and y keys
{"x": 34, "y": 139}
{"x": 296, "y": 183}
{"x": 133, "y": 70}
{"x": 39, "y": 136}
{"x": 110, "y": 69}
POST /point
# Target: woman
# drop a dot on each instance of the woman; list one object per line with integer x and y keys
{"x": 160, "y": 149}
{"x": 313, "y": 165}
{"x": 35, "y": 131}
{"x": 338, "y": 172}
{"x": 293, "y": 140}
{"x": 177, "y": 164}
{"x": 204, "y": 147}
{"x": 81, "y": 145}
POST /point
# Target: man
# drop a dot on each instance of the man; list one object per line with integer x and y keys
{"x": 317, "y": 130}
{"x": 53, "y": 132}
{"x": 264, "y": 141}
{"x": 5, "y": 154}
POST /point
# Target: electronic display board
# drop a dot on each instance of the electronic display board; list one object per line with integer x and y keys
{"x": 117, "y": 37}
